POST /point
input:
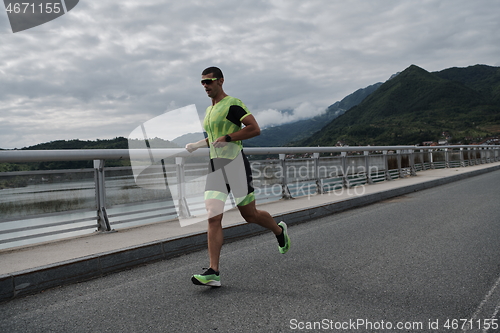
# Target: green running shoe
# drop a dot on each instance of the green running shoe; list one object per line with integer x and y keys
{"x": 208, "y": 278}
{"x": 283, "y": 249}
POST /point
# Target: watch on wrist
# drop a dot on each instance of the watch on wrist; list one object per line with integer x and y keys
{"x": 228, "y": 138}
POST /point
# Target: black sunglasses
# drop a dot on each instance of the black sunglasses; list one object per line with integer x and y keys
{"x": 208, "y": 81}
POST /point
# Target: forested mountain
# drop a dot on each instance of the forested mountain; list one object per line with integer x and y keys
{"x": 484, "y": 79}
{"x": 116, "y": 143}
{"x": 462, "y": 104}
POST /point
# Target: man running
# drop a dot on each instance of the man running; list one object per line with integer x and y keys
{"x": 229, "y": 171}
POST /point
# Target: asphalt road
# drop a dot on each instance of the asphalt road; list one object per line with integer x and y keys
{"x": 414, "y": 261}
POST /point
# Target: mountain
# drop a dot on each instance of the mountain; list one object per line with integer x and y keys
{"x": 183, "y": 140}
{"x": 284, "y": 134}
{"x": 116, "y": 143}
{"x": 417, "y": 106}
{"x": 482, "y": 78}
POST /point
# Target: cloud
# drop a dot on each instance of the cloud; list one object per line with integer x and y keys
{"x": 272, "y": 117}
{"x": 108, "y": 66}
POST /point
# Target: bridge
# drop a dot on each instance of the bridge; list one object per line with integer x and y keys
{"x": 390, "y": 248}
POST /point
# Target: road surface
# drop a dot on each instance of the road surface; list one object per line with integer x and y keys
{"x": 410, "y": 264}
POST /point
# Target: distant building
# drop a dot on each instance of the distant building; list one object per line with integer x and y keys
{"x": 494, "y": 140}
{"x": 341, "y": 144}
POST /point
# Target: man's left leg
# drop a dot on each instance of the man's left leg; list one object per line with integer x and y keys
{"x": 252, "y": 215}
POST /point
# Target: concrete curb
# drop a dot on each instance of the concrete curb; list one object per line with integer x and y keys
{"x": 31, "y": 281}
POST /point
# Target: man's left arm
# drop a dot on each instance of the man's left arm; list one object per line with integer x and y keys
{"x": 250, "y": 130}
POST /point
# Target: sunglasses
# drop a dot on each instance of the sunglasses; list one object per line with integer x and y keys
{"x": 208, "y": 81}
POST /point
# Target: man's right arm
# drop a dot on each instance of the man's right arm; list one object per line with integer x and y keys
{"x": 190, "y": 147}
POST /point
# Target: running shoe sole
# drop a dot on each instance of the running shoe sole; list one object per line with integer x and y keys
{"x": 201, "y": 280}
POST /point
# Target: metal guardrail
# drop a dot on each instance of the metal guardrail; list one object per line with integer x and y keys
{"x": 297, "y": 171}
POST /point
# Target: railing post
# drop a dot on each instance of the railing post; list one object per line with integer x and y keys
{"x": 386, "y": 163}
{"x": 319, "y": 184}
{"x": 431, "y": 159}
{"x": 413, "y": 169}
{"x": 446, "y": 158}
{"x": 400, "y": 169}
{"x": 345, "y": 178}
{"x": 100, "y": 196}
{"x": 422, "y": 158}
{"x": 470, "y": 161}
{"x": 285, "y": 192}
{"x": 462, "y": 159}
{"x": 369, "y": 179}
{"x": 181, "y": 190}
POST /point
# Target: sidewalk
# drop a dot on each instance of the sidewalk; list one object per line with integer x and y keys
{"x": 31, "y": 269}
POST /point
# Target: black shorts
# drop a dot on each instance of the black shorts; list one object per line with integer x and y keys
{"x": 227, "y": 175}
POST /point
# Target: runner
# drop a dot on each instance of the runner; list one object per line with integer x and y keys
{"x": 229, "y": 171}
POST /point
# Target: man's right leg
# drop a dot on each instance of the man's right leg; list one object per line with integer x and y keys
{"x": 216, "y": 192}
{"x": 215, "y": 233}
{"x": 215, "y": 238}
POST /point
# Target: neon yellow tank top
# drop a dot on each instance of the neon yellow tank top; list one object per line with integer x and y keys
{"x": 225, "y": 118}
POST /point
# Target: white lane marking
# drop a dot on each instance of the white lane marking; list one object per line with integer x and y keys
{"x": 483, "y": 304}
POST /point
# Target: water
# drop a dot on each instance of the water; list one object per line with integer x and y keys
{"x": 43, "y": 206}
{"x": 49, "y": 206}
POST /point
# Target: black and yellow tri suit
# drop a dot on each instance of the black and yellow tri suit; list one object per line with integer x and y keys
{"x": 229, "y": 167}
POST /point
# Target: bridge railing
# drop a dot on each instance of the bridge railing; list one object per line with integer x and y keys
{"x": 37, "y": 206}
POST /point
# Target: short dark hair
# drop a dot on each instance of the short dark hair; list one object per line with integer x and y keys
{"x": 215, "y": 71}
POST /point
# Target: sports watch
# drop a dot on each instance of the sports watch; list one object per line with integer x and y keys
{"x": 228, "y": 138}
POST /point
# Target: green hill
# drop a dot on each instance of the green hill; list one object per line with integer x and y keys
{"x": 482, "y": 78}
{"x": 116, "y": 143}
{"x": 417, "y": 106}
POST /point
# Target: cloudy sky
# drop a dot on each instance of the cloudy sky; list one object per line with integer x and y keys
{"x": 108, "y": 66}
